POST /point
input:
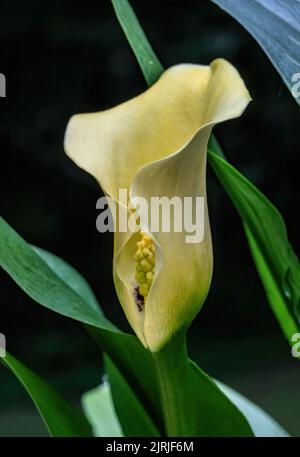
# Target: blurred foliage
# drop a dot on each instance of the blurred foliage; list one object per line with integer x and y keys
{"x": 61, "y": 58}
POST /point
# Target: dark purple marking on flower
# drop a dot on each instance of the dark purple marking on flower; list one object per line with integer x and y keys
{"x": 139, "y": 299}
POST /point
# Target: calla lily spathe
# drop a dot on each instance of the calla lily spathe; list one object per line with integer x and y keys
{"x": 155, "y": 145}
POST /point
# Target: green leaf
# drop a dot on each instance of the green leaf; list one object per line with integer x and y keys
{"x": 209, "y": 398}
{"x": 262, "y": 424}
{"x": 99, "y": 409}
{"x": 275, "y": 260}
{"x": 60, "y": 417}
{"x": 71, "y": 277}
{"x": 136, "y": 365}
{"x": 36, "y": 271}
{"x": 48, "y": 280}
{"x": 133, "y": 417}
{"x": 139, "y": 370}
{"x": 277, "y": 297}
{"x": 53, "y": 283}
{"x": 192, "y": 403}
{"x": 147, "y": 59}
{"x": 275, "y": 25}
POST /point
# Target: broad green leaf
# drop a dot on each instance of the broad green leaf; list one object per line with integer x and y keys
{"x": 136, "y": 365}
{"x": 34, "y": 271}
{"x": 283, "y": 265}
{"x": 71, "y": 277}
{"x": 262, "y": 424}
{"x": 192, "y": 403}
{"x": 228, "y": 420}
{"x": 99, "y": 409}
{"x": 147, "y": 59}
{"x": 139, "y": 370}
{"x": 275, "y": 260}
{"x": 60, "y": 417}
{"x": 275, "y": 25}
{"x": 133, "y": 417}
{"x": 51, "y": 283}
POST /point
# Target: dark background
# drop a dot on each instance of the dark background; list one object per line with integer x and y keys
{"x": 62, "y": 58}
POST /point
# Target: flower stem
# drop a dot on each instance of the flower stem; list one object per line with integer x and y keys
{"x": 173, "y": 376}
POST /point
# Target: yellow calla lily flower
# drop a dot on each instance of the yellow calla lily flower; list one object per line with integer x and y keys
{"x": 155, "y": 145}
